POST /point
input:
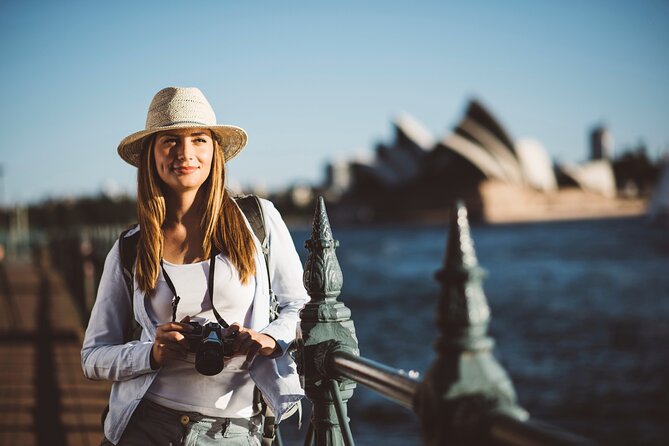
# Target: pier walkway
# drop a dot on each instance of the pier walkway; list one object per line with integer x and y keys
{"x": 44, "y": 397}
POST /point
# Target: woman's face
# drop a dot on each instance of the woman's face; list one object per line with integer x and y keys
{"x": 183, "y": 158}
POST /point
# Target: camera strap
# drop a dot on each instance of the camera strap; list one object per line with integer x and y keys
{"x": 210, "y": 290}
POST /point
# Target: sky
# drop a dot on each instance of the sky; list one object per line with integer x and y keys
{"x": 316, "y": 81}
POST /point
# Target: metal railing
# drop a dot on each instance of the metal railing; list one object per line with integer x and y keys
{"x": 465, "y": 398}
{"x": 396, "y": 385}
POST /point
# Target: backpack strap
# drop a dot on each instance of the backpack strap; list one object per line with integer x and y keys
{"x": 250, "y": 206}
{"x": 252, "y": 210}
{"x": 127, "y": 246}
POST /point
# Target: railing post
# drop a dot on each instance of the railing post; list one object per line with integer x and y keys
{"x": 326, "y": 326}
{"x": 465, "y": 385}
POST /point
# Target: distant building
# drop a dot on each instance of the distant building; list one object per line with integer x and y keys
{"x": 399, "y": 162}
{"x": 601, "y": 143}
{"x": 481, "y": 140}
{"x": 594, "y": 176}
{"x": 536, "y": 164}
{"x": 337, "y": 177}
{"x": 372, "y": 183}
{"x": 597, "y": 175}
{"x": 417, "y": 177}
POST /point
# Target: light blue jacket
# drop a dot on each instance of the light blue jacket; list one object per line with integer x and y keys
{"x": 105, "y": 356}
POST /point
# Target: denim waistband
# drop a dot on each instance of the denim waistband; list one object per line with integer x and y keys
{"x": 156, "y": 411}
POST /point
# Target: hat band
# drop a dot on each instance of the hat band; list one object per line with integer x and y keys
{"x": 196, "y": 123}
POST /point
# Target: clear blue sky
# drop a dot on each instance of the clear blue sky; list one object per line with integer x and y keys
{"x": 311, "y": 81}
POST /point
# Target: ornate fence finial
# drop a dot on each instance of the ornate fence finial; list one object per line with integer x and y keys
{"x": 325, "y": 327}
{"x": 463, "y": 314}
{"x": 465, "y": 384}
{"x": 322, "y": 274}
{"x": 460, "y": 253}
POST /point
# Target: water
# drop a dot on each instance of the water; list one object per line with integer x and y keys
{"x": 579, "y": 315}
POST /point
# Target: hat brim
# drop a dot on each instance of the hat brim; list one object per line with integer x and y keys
{"x": 232, "y": 140}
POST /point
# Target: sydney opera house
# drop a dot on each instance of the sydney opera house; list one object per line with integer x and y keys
{"x": 418, "y": 176}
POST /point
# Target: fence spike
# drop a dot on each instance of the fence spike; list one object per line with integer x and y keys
{"x": 465, "y": 384}
{"x": 322, "y": 274}
{"x": 463, "y": 315}
{"x": 325, "y": 327}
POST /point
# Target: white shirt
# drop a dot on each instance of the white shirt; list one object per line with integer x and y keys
{"x": 179, "y": 385}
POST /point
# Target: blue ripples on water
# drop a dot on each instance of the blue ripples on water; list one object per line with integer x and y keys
{"x": 580, "y": 315}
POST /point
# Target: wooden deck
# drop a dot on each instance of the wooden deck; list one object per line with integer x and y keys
{"x": 44, "y": 397}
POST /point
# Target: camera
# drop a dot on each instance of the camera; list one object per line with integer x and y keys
{"x": 209, "y": 345}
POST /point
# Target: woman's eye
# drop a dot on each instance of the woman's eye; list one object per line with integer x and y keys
{"x": 201, "y": 140}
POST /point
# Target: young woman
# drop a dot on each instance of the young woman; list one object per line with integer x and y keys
{"x": 197, "y": 261}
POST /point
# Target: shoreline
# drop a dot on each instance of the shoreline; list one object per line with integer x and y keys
{"x": 502, "y": 203}
{"x": 441, "y": 218}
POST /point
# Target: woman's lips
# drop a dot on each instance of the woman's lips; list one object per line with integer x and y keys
{"x": 184, "y": 170}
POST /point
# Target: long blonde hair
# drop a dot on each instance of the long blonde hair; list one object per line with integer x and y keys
{"x": 223, "y": 225}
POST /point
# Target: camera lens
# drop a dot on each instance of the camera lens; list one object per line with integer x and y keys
{"x": 209, "y": 361}
{"x": 209, "y": 354}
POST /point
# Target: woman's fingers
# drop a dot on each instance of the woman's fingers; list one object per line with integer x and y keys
{"x": 247, "y": 343}
{"x": 233, "y": 329}
{"x": 173, "y": 331}
{"x": 241, "y": 336}
{"x": 251, "y": 343}
{"x": 169, "y": 342}
{"x": 169, "y": 336}
{"x": 173, "y": 326}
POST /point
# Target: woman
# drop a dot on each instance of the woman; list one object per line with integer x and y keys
{"x": 191, "y": 230}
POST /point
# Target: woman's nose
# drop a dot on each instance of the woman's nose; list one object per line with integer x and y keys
{"x": 185, "y": 149}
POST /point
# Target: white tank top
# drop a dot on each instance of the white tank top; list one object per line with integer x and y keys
{"x": 178, "y": 385}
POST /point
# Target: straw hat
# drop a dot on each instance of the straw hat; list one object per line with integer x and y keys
{"x": 177, "y": 107}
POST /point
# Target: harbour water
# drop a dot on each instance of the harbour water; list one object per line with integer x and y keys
{"x": 580, "y": 316}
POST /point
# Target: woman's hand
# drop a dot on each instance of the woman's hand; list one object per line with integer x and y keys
{"x": 169, "y": 343}
{"x": 250, "y": 342}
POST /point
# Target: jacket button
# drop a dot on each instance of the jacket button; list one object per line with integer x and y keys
{"x": 184, "y": 419}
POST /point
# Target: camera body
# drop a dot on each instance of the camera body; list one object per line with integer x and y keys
{"x": 210, "y": 346}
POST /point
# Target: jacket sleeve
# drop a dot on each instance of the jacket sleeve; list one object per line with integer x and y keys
{"x": 285, "y": 271}
{"x": 104, "y": 355}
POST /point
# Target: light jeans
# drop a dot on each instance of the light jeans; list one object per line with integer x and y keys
{"x": 153, "y": 424}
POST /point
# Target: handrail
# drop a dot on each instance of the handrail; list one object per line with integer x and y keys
{"x": 395, "y": 384}
{"x": 402, "y": 388}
